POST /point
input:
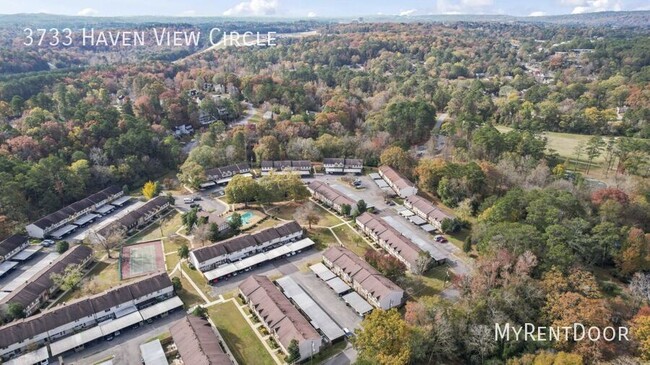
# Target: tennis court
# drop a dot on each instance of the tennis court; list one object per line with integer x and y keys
{"x": 142, "y": 259}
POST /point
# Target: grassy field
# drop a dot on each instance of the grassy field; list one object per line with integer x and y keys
{"x": 322, "y": 236}
{"x": 429, "y": 284}
{"x": 239, "y": 336}
{"x": 563, "y": 143}
{"x": 102, "y": 277}
{"x": 188, "y": 294}
{"x": 288, "y": 212}
{"x": 351, "y": 240}
{"x": 171, "y": 223}
{"x": 173, "y": 244}
{"x": 171, "y": 261}
{"x": 197, "y": 278}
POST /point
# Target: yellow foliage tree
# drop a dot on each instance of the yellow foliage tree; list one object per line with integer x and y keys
{"x": 150, "y": 189}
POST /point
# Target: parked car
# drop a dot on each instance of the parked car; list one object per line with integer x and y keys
{"x": 440, "y": 239}
{"x": 347, "y": 332}
{"x": 47, "y": 243}
{"x": 188, "y": 200}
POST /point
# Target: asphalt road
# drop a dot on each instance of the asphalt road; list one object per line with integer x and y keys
{"x": 126, "y": 347}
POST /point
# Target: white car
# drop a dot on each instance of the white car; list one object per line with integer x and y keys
{"x": 188, "y": 200}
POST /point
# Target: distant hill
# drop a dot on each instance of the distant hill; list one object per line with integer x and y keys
{"x": 610, "y": 18}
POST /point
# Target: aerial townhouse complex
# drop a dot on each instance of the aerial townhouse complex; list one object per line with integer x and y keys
{"x": 300, "y": 167}
{"x": 32, "y": 294}
{"x": 222, "y": 175}
{"x": 74, "y": 324}
{"x": 329, "y": 196}
{"x": 245, "y": 245}
{"x": 139, "y": 217}
{"x": 66, "y": 220}
{"x": 342, "y": 165}
{"x": 279, "y": 316}
{"x": 198, "y": 343}
{"x": 363, "y": 278}
{"x": 402, "y": 186}
{"x": 426, "y": 210}
{"x": 396, "y": 244}
{"x": 11, "y": 246}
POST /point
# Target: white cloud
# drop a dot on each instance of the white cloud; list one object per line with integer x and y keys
{"x": 537, "y": 13}
{"x": 88, "y": 12}
{"x": 189, "y": 13}
{"x": 311, "y": 14}
{"x": 407, "y": 12}
{"x": 591, "y": 6}
{"x": 253, "y": 7}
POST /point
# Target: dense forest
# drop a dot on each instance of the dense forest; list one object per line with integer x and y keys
{"x": 429, "y": 99}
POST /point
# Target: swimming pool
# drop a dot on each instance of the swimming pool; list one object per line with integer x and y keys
{"x": 245, "y": 218}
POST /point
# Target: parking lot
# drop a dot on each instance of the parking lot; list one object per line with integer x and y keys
{"x": 126, "y": 347}
{"x": 370, "y": 193}
{"x": 275, "y": 269}
{"x": 374, "y": 196}
{"x": 327, "y": 299}
{"x": 38, "y": 261}
{"x": 207, "y": 200}
{"x": 80, "y": 234}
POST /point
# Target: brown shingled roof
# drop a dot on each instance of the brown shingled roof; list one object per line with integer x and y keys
{"x": 197, "y": 342}
{"x": 277, "y": 311}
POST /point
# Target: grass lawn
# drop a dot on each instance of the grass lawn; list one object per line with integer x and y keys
{"x": 458, "y": 239}
{"x": 197, "y": 278}
{"x": 239, "y": 336}
{"x": 102, "y": 277}
{"x": 188, "y": 294}
{"x": 323, "y": 237}
{"x": 173, "y": 244}
{"x": 429, "y": 284}
{"x": 171, "y": 223}
{"x": 351, "y": 240}
{"x": 171, "y": 261}
{"x": 288, "y": 211}
{"x": 563, "y": 143}
{"x": 266, "y": 224}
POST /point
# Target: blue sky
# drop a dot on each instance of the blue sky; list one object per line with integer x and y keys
{"x": 316, "y": 8}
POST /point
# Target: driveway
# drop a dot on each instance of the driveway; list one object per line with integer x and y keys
{"x": 327, "y": 299}
{"x": 207, "y": 202}
{"x": 126, "y": 347}
{"x": 80, "y": 234}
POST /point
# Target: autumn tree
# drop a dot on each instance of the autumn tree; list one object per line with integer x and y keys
{"x": 241, "y": 189}
{"x": 150, "y": 189}
{"x": 382, "y": 339}
{"x": 398, "y": 159}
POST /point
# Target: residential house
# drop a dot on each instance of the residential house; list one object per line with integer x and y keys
{"x": 222, "y": 175}
{"x": 426, "y": 210}
{"x": 61, "y": 328}
{"x": 279, "y": 316}
{"x": 34, "y": 293}
{"x": 12, "y": 245}
{"x": 301, "y": 167}
{"x": 395, "y": 243}
{"x": 363, "y": 278}
{"x": 402, "y": 186}
{"x": 139, "y": 217}
{"x": 199, "y": 343}
{"x": 329, "y": 196}
{"x": 244, "y": 245}
{"x": 61, "y": 222}
{"x": 214, "y": 217}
